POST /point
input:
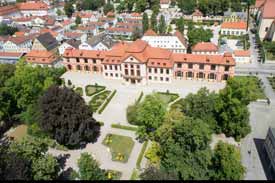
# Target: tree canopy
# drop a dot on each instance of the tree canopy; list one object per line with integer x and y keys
{"x": 66, "y": 117}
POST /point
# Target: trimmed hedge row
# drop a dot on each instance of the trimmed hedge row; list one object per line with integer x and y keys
{"x": 123, "y": 127}
{"x": 106, "y": 102}
{"x": 141, "y": 154}
{"x": 97, "y": 88}
{"x": 140, "y": 97}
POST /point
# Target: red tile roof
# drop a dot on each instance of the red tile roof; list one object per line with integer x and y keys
{"x": 234, "y": 25}
{"x": 150, "y": 32}
{"x": 205, "y": 46}
{"x": 242, "y": 53}
{"x": 41, "y": 57}
{"x": 32, "y": 6}
{"x": 268, "y": 9}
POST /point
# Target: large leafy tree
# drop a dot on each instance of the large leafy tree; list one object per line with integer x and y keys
{"x": 69, "y": 9}
{"x": 187, "y": 6}
{"x": 43, "y": 166}
{"x": 7, "y": 30}
{"x": 152, "y": 173}
{"x": 154, "y": 22}
{"x": 89, "y": 168}
{"x": 196, "y": 35}
{"x": 232, "y": 115}
{"x": 185, "y": 148}
{"x": 180, "y": 25}
{"x": 227, "y": 163}
{"x": 150, "y": 115}
{"x": 66, "y": 117}
{"x": 202, "y": 106}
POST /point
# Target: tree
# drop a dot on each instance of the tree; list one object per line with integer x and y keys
{"x": 145, "y": 22}
{"x": 78, "y": 20}
{"x": 196, "y": 35}
{"x": 141, "y": 5}
{"x": 154, "y": 22}
{"x": 187, "y": 6}
{"x": 7, "y": 30}
{"x": 45, "y": 168}
{"x": 14, "y": 166}
{"x": 162, "y": 25}
{"x": 150, "y": 114}
{"x": 69, "y": 9}
{"x": 180, "y": 25}
{"x": 89, "y": 168}
{"x": 6, "y": 72}
{"x": 59, "y": 12}
{"x": 137, "y": 33}
{"x": 227, "y": 163}
{"x": 185, "y": 148}
{"x": 232, "y": 115}
{"x": 152, "y": 173}
{"x": 202, "y": 106}
{"x": 66, "y": 117}
{"x": 108, "y": 8}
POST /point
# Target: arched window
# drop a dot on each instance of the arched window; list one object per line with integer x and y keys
{"x": 69, "y": 67}
{"x": 78, "y": 67}
{"x": 95, "y": 69}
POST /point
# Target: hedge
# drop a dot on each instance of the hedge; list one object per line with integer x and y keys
{"x": 141, "y": 154}
{"x": 101, "y": 123}
{"x": 139, "y": 98}
{"x": 131, "y": 128}
{"x": 107, "y": 102}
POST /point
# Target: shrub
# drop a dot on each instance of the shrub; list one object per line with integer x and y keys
{"x": 107, "y": 102}
{"x": 131, "y": 128}
{"x": 131, "y": 114}
{"x": 141, "y": 154}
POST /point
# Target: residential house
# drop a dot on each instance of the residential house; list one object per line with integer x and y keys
{"x": 45, "y": 42}
{"x": 10, "y": 57}
{"x": 242, "y": 56}
{"x": 173, "y": 42}
{"x": 205, "y": 48}
{"x": 234, "y": 28}
{"x": 98, "y": 42}
{"x": 22, "y": 44}
{"x": 32, "y": 8}
{"x": 70, "y": 44}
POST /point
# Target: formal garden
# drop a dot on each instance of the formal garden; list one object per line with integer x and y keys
{"x": 98, "y": 99}
{"x": 243, "y": 40}
{"x": 79, "y": 91}
{"x": 120, "y": 146}
{"x": 168, "y": 97}
{"x": 272, "y": 82}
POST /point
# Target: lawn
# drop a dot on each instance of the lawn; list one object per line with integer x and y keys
{"x": 98, "y": 100}
{"x": 93, "y": 89}
{"x": 255, "y": 85}
{"x": 19, "y": 132}
{"x": 120, "y": 146}
{"x": 79, "y": 91}
{"x": 272, "y": 82}
{"x": 167, "y": 98}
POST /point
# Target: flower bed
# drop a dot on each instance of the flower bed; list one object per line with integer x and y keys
{"x": 120, "y": 146}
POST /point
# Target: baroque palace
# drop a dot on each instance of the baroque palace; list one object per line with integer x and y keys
{"x": 139, "y": 63}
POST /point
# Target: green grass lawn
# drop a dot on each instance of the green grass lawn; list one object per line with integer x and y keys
{"x": 272, "y": 82}
{"x": 93, "y": 89}
{"x": 168, "y": 97}
{"x": 120, "y": 146}
{"x": 98, "y": 100}
{"x": 79, "y": 90}
{"x": 258, "y": 89}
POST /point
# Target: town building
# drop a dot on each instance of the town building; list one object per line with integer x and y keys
{"x": 269, "y": 149}
{"x": 165, "y": 4}
{"x": 242, "y": 56}
{"x": 42, "y": 58}
{"x": 45, "y": 42}
{"x": 175, "y": 43}
{"x": 234, "y": 28}
{"x": 205, "y": 48}
{"x": 98, "y": 42}
{"x": 9, "y": 57}
{"x": 32, "y": 8}
{"x": 21, "y": 44}
{"x": 72, "y": 44}
{"x": 140, "y": 63}
{"x": 266, "y": 19}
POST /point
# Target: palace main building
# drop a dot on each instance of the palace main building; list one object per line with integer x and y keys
{"x": 139, "y": 63}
